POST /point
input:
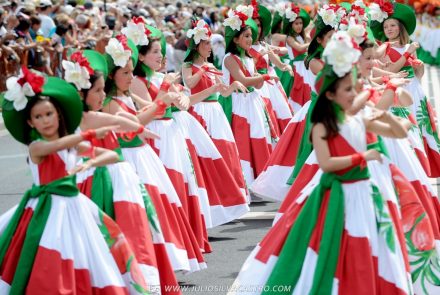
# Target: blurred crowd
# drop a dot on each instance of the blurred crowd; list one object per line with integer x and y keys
{"x": 39, "y": 33}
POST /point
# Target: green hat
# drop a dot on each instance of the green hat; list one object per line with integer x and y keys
{"x": 97, "y": 61}
{"x": 134, "y": 52}
{"x": 265, "y": 17}
{"x": 64, "y": 93}
{"x": 276, "y": 20}
{"x": 403, "y": 13}
{"x": 231, "y": 34}
{"x": 302, "y": 14}
{"x": 156, "y": 33}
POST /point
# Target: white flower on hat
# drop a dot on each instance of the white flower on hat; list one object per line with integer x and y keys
{"x": 234, "y": 22}
{"x": 359, "y": 3}
{"x": 17, "y": 93}
{"x": 76, "y": 74}
{"x": 246, "y": 9}
{"x": 281, "y": 8}
{"x": 340, "y": 53}
{"x": 376, "y": 13}
{"x": 357, "y": 31}
{"x": 290, "y": 14}
{"x": 328, "y": 16}
{"x": 136, "y": 32}
{"x": 116, "y": 50}
{"x": 200, "y": 32}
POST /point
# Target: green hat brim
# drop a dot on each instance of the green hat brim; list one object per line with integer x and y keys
{"x": 231, "y": 34}
{"x": 265, "y": 19}
{"x": 97, "y": 62}
{"x": 134, "y": 57}
{"x": 67, "y": 98}
{"x": 276, "y": 20}
{"x": 302, "y": 14}
{"x": 403, "y": 13}
{"x": 156, "y": 33}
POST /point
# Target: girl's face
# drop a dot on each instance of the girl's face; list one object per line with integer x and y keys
{"x": 204, "y": 48}
{"x": 153, "y": 58}
{"x": 257, "y": 21}
{"x": 344, "y": 94}
{"x": 44, "y": 117}
{"x": 323, "y": 41}
{"x": 366, "y": 62}
{"x": 391, "y": 28}
{"x": 297, "y": 25}
{"x": 96, "y": 95}
{"x": 244, "y": 40}
{"x": 124, "y": 76}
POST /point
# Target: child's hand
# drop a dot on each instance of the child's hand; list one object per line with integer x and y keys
{"x": 103, "y": 131}
{"x": 81, "y": 167}
{"x": 372, "y": 155}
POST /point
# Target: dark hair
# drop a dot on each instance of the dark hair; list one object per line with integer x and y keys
{"x": 144, "y": 49}
{"x": 23, "y": 25}
{"x": 62, "y": 130}
{"x": 35, "y": 20}
{"x": 110, "y": 86}
{"x": 261, "y": 36}
{"x": 232, "y": 47}
{"x": 291, "y": 32}
{"x": 324, "y": 112}
{"x": 367, "y": 43}
{"x": 93, "y": 78}
{"x": 314, "y": 45}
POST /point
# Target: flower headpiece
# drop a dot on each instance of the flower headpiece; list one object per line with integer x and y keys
{"x": 281, "y": 8}
{"x": 236, "y": 20}
{"x": 341, "y": 53}
{"x": 248, "y": 10}
{"x": 254, "y": 5}
{"x": 77, "y": 71}
{"x": 119, "y": 50}
{"x": 27, "y": 84}
{"x": 292, "y": 12}
{"x": 355, "y": 28}
{"x": 380, "y": 10}
{"x": 136, "y": 31}
{"x": 331, "y": 14}
{"x": 200, "y": 31}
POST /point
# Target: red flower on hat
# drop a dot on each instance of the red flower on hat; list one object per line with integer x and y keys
{"x": 36, "y": 81}
{"x": 359, "y": 9}
{"x": 255, "y": 13}
{"x": 124, "y": 41}
{"x": 79, "y": 58}
{"x": 147, "y": 32}
{"x": 295, "y": 8}
{"x": 243, "y": 17}
{"x": 385, "y": 6}
{"x": 138, "y": 20}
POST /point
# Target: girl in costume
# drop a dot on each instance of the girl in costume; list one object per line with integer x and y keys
{"x": 272, "y": 91}
{"x": 177, "y": 161}
{"x": 56, "y": 240}
{"x": 220, "y": 197}
{"x": 116, "y": 188}
{"x": 297, "y": 43}
{"x": 201, "y": 78}
{"x": 182, "y": 247}
{"x": 251, "y": 124}
{"x": 276, "y": 178}
{"x": 343, "y": 239}
{"x": 394, "y": 22}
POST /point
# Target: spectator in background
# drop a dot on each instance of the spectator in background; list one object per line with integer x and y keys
{"x": 215, "y": 24}
{"x": 170, "y": 66}
{"x": 179, "y": 52}
{"x": 34, "y": 31}
{"x": 47, "y": 23}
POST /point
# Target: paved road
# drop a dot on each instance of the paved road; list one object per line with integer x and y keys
{"x": 231, "y": 243}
